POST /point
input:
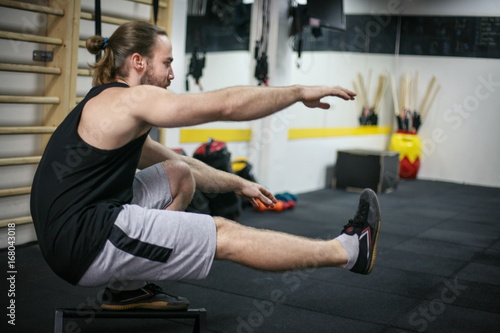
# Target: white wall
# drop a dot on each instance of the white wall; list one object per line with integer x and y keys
{"x": 454, "y": 141}
{"x": 298, "y": 165}
{"x": 459, "y": 137}
{"x": 222, "y": 69}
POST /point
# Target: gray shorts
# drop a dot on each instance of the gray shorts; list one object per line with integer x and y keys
{"x": 148, "y": 243}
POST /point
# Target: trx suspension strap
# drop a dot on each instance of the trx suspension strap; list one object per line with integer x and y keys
{"x": 155, "y": 10}
{"x": 98, "y": 30}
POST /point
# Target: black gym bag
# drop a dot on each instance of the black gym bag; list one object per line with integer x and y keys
{"x": 228, "y": 205}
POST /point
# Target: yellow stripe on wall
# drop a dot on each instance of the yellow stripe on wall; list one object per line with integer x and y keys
{"x": 196, "y": 135}
{"x": 325, "y": 132}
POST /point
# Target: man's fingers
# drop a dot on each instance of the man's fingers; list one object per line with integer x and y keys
{"x": 259, "y": 192}
{"x": 345, "y": 93}
{"x": 266, "y": 197}
{"x": 253, "y": 202}
{"x": 268, "y": 194}
{"x": 314, "y": 99}
{"x": 317, "y": 104}
{"x": 324, "y": 105}
{"x": 266, "y": 202}
{"x": 349, "y": 92}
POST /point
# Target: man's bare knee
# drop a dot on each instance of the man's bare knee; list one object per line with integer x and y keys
{"x": 227, "y": 238}
{"x": 182, "y": 183}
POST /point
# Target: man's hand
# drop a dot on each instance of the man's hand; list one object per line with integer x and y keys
{"x": 253, "y": 191}
{"x": 312, "y": 95}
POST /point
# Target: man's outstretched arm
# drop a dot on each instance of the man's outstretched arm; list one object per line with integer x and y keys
{"x": 159, "y": 107}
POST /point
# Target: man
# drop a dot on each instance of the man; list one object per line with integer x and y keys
{"x": 98, "y": 222}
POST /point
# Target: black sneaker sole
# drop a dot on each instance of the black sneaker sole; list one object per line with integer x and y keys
{"x": 374, "y": 253}
{"x": 375, "y": 241}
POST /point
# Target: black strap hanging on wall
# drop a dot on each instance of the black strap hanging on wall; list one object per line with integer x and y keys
{"x": 155, "y": 10}
{"x": 260, "y": 52}
{"x": 196, "y": 66}
{"x": 197, "y": 62}
{"x": 98, "y": 24}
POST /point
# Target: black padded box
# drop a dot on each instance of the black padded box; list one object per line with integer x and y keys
{"x": 357, "y": 169}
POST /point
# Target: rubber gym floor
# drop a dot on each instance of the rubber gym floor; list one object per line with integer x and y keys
{"x": 437, "y": 270}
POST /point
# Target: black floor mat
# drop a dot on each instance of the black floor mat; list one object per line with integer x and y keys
{"x": 437, "y": 270}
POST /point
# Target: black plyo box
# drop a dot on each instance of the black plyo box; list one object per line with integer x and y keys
{"x": 358, "y": 169}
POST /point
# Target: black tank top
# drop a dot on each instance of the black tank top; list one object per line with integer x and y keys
{"x": 77, "y": 192}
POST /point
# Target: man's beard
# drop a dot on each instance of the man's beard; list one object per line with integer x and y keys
{"x": 150, "y": 79}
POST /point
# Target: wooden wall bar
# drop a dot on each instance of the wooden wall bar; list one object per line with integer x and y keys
{"x": 63, "y": 39}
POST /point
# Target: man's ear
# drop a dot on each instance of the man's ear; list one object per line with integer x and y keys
{"x": 138, "y": 62}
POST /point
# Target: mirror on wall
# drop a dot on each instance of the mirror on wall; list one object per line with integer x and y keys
{"x": 218, "y": 25}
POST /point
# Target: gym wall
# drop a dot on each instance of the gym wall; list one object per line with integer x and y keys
{"x": 293, "y": 150}
{"x": 459, "y": 136}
